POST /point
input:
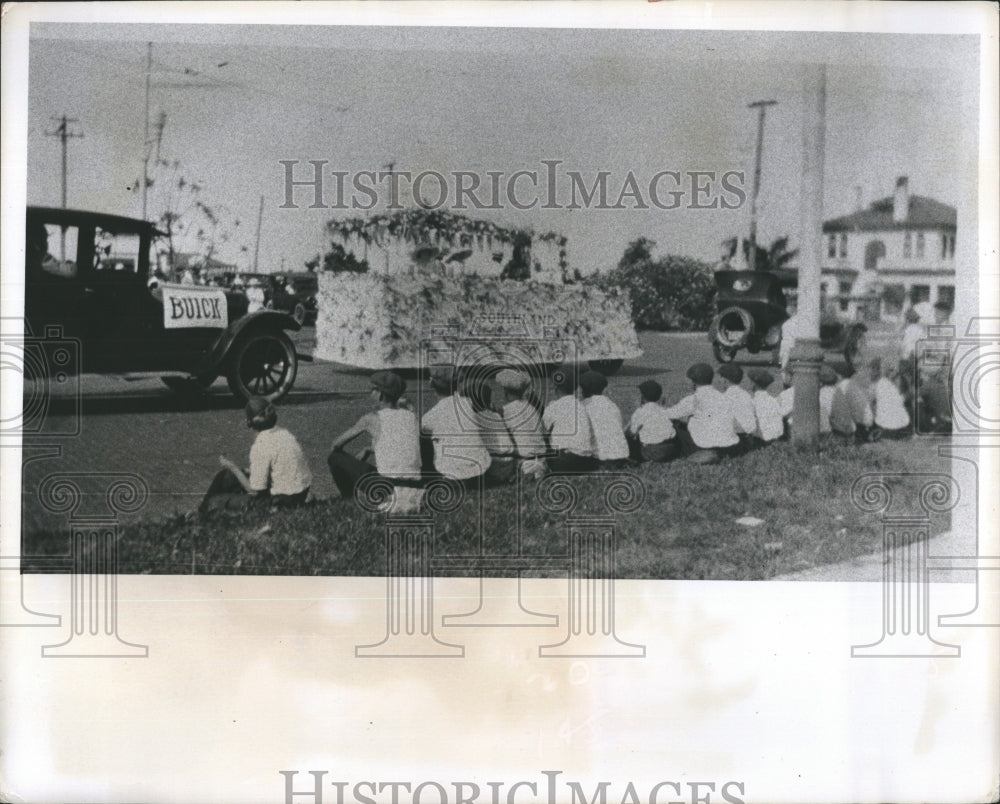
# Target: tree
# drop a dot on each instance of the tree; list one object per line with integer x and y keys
{"x": 669, "y": 293}
{"x": 189, "y": 222}
{"x": 776, "y": 257}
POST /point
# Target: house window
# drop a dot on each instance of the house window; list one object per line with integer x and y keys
{"x": 947, "y": 246}
{"x": 920, "y": 244}
{"x": 843, "y": 245}
{"x": 920, "y": 293}
{"x": 844, "y": 289}
{"x": 946, "y": 294}
{"x": 831, "y": 246}
{"x": 907, "y": 246}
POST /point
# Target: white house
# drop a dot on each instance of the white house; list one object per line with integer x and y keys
{"x": 898, "y": 252}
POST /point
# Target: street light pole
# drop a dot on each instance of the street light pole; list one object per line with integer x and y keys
{"x": 761, "y": 107}
{"x": 146, "y": 143}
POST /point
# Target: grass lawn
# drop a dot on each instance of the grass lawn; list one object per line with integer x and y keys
{"x": 686, "y": 529}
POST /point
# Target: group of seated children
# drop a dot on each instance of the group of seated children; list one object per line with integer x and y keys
{"x": 467, "y": 438}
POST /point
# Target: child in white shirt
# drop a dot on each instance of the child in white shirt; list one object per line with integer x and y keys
{"x": 651, "y": 434}
{"x": 770, "y": 425}
{"x": 891, "y": 416}
{"x": 610, "y": 446}
{"x": 710, "y": 430}
{"x": 567, "y": 425}
{"x": 278, "y": 473}
{"x": 741, "y": 402}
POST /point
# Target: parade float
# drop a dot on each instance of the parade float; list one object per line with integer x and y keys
{"x": 428, "y": 283}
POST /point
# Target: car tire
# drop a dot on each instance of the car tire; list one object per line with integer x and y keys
{"x": 262, "y": 364}
{"x": 607, "y": 367}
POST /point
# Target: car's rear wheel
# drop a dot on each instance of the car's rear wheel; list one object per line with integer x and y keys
{"x": 262, "y": 364}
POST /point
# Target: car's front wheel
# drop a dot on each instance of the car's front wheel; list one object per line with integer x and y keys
{"x": 262, "y": 364}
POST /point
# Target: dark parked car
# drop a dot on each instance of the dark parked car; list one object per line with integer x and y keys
{"x": 750, "y": 309}
{"x": 89, "y": 274}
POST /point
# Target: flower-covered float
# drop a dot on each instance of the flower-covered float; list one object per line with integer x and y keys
{"x": 441, "y": 284}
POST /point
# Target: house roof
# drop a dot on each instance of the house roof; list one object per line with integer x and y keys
{"x": 924, "y": 213}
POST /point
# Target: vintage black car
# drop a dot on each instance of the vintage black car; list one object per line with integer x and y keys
{"x": 750, "y": 309}
{"x": 88, "y": 275}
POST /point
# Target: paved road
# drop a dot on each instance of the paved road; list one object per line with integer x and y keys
{"x": 142, "y": 428}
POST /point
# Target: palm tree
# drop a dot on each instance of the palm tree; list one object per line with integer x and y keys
{"x": 775, "y": 258}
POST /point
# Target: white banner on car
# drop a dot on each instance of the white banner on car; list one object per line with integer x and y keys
{"x": 189, "y": 306}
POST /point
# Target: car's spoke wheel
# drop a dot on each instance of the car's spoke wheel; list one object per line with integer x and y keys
{"x": 263, "y": 364}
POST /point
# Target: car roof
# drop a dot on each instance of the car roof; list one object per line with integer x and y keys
{"x": 60, "y": 216}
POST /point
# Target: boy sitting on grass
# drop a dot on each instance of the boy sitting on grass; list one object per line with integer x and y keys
{"x": 493, "y": 432}
{"x": 523, "y": 420}
{"x": 891, "y": 416}
{"x": 651, "y": 434}
{"x": 710, "y": 430}
{"x": 610, "y": 446}
{"x": 770, "y": 425}
{"x": 740, "y": 401}
{"x": 859, "y": 401}
{"x": 395, "y": 443}
{"x": 567, "y": 424}
{"x": 459, "y": 453}
{"x": 278, "y": 473}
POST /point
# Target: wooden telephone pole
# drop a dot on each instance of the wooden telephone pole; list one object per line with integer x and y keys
{"x": 761, "y": 107}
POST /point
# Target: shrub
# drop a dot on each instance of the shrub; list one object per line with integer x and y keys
{"x": 669, "y": 293}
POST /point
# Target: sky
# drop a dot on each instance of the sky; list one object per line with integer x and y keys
{"x": 238, "y": 99}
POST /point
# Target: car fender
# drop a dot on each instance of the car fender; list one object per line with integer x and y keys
{"x": 260, "y": 321}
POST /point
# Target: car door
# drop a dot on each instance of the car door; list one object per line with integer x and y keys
{"x": 54, "y": 286}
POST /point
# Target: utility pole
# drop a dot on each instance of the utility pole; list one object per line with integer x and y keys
{"x": 63, "y": 133}
{"x": 146, "y": 142}
{"x": 260, "y": 220}
{"x": 761, "y": 107}
{"x": 392, "y": 167}
{"x": 807, "y": 354}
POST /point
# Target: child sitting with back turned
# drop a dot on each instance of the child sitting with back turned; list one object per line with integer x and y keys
{"x": 565, "y": 421}
{"x": 278, "y": 470}
{"x": 891, "y": 416}
{"x": 710, "y": 430}
{"x": 740, "y": 401}
{"x": 610, "y": 446}
{"x": 770, "y": 425}
{"x": 651, "y": 434}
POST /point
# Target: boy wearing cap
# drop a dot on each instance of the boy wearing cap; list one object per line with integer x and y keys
{"x": 459, "y": 453}
{"x": 651, "y": 434}
{"x": 610, "y": 446}
{"x": 740, "y": 401}
{"x": 567, "y": 424}
{"x": 279, "y": 472}
{"x": 394, "y": 435}
{"x": 523, "y": 420}
{"x": 770, "y": 425}
{"x": 711, "y": 426}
